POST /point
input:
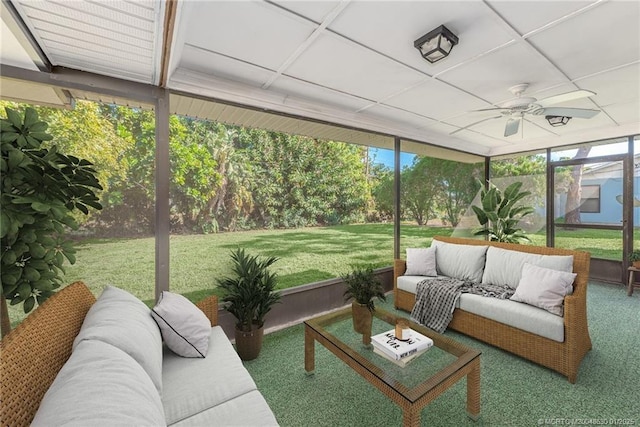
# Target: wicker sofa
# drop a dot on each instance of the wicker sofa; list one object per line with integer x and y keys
{"x": 562, "y": 356}
{"x": 38, "y": 384}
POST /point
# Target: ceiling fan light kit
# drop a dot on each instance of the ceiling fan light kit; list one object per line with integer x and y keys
{"x": 436, "y": 44}
{"x": 556, "y": 121}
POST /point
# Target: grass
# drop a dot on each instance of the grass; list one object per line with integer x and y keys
{"x": 306, "y": 255}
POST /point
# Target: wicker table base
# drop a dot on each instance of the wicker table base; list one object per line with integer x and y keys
{"x": 412, "y": 398}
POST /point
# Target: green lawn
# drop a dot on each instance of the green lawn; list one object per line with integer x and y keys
{"x": 306, "y": 255}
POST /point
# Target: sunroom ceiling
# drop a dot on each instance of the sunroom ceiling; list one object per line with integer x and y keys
{"x": 353, "y": 63}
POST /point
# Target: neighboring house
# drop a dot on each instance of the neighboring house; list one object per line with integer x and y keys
{"x": 601, "y": 200}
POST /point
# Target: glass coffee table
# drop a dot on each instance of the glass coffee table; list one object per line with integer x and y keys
{"x": 411, "y": 387}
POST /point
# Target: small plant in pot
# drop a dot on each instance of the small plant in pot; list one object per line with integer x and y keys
{"x": 634, "y": 258}
{"x": 250, "y": 295}
{"x": 363, "y": 286}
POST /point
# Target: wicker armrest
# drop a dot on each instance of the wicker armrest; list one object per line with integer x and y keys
{"x": 209, "y": 307}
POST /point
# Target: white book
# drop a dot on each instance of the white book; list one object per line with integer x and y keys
{"x": 402, "y": 362}
{"x": 387, "y": 343}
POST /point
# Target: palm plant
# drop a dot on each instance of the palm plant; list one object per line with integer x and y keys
{"x": 250, "y": 293}
{"x": 363, "y": 286}
{"x": 499, "y": 214}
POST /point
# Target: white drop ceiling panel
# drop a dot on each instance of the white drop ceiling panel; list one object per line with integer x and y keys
{"x": 408, "y": 117}
{"x": 212, "y": 63}
{"x": 435, "y": 99}
{"x": 602, "y": 38}
{"x": 490, "y": 76}
{"x": 352, "y": 69}
{"x": 249, "y": 31}
{"x": 314, "y": 10}
{"x": 616, "y": 86}
{"x": 527, "y": 16}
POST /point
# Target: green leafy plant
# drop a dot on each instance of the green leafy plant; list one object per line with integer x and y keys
{"x": 500, "y": 215}
{"x": 41, "y": 188}
{"x": 634, "y": 256}
{"x": 363, "y": 286}
{"x": 250, "y": 292}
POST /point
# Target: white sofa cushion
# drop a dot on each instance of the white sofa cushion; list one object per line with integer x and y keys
{"x": 100, "y": 385}
{"x": 504, "y": 267}
{"x": 544, "y": 288}
{"x": 250, "y": 409}
{"x": 421, "y": 262}
{"x": 464, "y": 262}
{"x": 194, "y": 385}
{"x": 122, "y": 320}
{"x": 184, "y": 327}
{"x": 410, "y": 283}
{"x": 521, "y": 316}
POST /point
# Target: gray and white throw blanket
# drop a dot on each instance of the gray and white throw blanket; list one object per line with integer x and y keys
{"x": 436, "y": 299}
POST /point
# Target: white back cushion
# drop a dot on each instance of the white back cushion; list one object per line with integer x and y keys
{"x": 504, "y": 267}
{"x": 122, "y": 320}
{"x": 464, "y": 262}
{"x": 421, "y": 262}
{"x": 100, "y": 385}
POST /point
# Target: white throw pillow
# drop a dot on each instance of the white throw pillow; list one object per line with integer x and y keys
{"x": 122, "y": 320}
{"x": 544, "y": 288}
{"x": 463, "y": 262}
{"x": 504, "y": 267}
{"x": 185, "y": 328}
{"x": 421, "y": 262}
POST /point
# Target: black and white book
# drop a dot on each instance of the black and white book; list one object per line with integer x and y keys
{"x": 402, "y": 362}
{"x": 397, "y": 349}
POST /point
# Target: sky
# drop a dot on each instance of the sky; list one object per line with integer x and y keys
{"x": 386, "y": 157}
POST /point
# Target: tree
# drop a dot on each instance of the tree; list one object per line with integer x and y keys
{"x": 574, "y": 189}
{"x": 459, "y": 183}
{"x": 41, "y": 188}
{"x": 419, "y": 189}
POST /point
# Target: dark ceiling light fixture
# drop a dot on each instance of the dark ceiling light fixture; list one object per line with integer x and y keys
{"x": 556, "y": 121}
{"x": 436, "y": 44}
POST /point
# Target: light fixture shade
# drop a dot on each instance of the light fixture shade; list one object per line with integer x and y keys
{"x": 436, "y": 44}
{"x": 556, "y": 121}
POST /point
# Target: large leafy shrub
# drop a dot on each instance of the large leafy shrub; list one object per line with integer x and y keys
{"x": 41, "y": 188}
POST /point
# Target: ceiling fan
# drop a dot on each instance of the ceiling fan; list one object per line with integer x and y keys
{"x": 516, "y": 108}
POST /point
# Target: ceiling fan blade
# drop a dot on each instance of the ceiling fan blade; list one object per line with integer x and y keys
{"x": 581, "y": 113}
{"x": 474, "y": 123}
{"x": 564, "y": 97}
{"x": 512, "y": 126}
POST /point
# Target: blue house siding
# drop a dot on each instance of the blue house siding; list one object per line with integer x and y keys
{"x": 610, "y": 208}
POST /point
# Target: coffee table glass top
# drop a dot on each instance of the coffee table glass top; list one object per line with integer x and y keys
{"x": 419, "y": 376}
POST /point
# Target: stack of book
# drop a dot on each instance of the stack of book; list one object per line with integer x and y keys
{"x": 400, "y": 352}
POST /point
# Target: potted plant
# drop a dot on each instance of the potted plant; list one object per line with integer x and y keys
{"x": 249, "y": 294}
{"x": 363, "y": 286}
{"x": 634, "y": 258}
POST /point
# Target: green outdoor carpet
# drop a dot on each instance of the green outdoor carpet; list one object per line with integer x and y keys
{"x": 513, "y": 390}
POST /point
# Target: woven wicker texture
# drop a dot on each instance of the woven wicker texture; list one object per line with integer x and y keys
{"x": 410, "y": 400}
{"x": 32, "y": 354}
{"x": 562, "y": 357}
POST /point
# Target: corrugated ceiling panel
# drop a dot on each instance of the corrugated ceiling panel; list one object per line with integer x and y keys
{"x": 106, "y": 99}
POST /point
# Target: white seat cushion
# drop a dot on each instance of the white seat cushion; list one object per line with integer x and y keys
{"x": 250, "y": 409}
{"x": 522, "y": 316}
{"x": 100, "y": 385}
{"x": 194, "y": 385}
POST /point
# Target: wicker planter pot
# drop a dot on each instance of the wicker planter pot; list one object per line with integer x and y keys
{"x": 362, "y": 319}
{"x": 248, "y": 344}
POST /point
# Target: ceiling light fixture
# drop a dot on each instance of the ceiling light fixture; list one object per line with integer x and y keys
{"x": 436, "y": 44}
{"x": 556, "y": 121}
